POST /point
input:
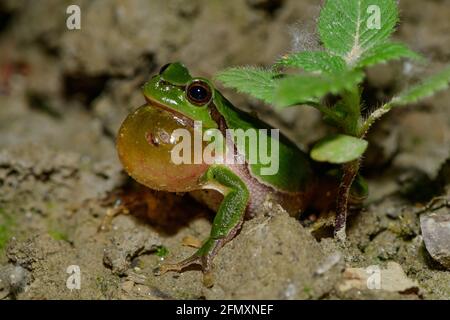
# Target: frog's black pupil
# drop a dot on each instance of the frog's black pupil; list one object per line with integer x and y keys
{"x": 198, "y": 93}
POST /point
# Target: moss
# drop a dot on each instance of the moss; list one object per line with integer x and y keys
{"x": 58, "y": 235}
{"x": 308, "y": 291}
{"x": 7, "y": 225}
{"x": 162, "y": 251}
{"x": 54, "y": 228}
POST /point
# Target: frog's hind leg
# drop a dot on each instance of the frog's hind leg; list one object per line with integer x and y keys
{"x": 227, "y": 221}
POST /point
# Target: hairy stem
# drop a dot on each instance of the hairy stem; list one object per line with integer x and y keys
{"x": 350, "y": 170}
{"x": 374, "y": 116}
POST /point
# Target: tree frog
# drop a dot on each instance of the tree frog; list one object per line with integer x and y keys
{"x": 176, "y": 100}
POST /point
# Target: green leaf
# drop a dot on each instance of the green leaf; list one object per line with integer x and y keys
{"x": 256, "y": 82}
{"x": 298, "y": 89}
{"x": 338, "y": 149}
{"x": 314, "y": 61}
{"x": 176, "y": 73}
{"x": 348, "y": 28}
{"x": 385, "y": 52}
{"x": 426, "y": 88}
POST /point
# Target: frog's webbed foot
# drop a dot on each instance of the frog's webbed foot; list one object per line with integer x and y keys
{"x": 182, "y": 265}
{"x": 203, "y": 258}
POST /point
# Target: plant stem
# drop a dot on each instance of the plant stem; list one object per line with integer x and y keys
{"x": 350, "y": 170}
{"x": 374, "y": 116}
{"x": 352, "y": 100}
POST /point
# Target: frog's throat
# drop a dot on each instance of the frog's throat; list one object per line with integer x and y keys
{"x": 188, "y": 121}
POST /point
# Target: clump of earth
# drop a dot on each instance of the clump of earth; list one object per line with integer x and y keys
{"x": 64, "y": 93}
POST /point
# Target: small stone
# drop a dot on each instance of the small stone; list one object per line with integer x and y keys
{"x": 391, "y": 279}
{"x": 436, "y": 235}
{"x": 329, "y": 262}
{"x": 126, "y": 246}
{"x": 13, "y": 279}
{"x": 127, "y": 286}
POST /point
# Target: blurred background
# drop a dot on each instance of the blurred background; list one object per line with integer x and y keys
{"x": 64, "y": 93}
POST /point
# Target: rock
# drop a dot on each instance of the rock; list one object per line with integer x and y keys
{"x": 273, "y": 257}
{"x": 391, "y": 279}
{"x": 127, "y": 245}
{"x": 13, "y": 279}
{"x": 329, "y": 262}
{"x": 383, "y": 246}
{"x": 436, "y": 235}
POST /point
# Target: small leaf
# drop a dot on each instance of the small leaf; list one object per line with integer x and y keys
{"x": 314, "y": 61}
{"x": 385, "y": 52}
{"x": 256, "y": 82}
{"x": 338, "y": 149}
{"x": 300, "y": 89}
{"x": 349, "y": 28}
{"x": 428, "y": 87}
{"x": 176, "y": 73}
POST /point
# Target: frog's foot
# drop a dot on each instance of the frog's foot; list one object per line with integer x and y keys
{"x": 204, "y": 262}
{"x": 118, "y": 209}
{"x": 203, "y": 257}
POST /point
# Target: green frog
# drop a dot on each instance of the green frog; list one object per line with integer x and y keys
{"x": 236, "y": 189}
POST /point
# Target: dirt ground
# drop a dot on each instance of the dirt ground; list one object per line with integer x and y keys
{"x": 64, "y": 93}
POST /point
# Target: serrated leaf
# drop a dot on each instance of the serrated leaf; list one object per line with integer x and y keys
{"x": 300, "y": 89}
{"x": 314, "y": 61}
{"x": 256, "y": 82}
{"x": 426, "y": 88}
{"x": 348, "y": 28}
{"x": 338, "y": 149}
{"x": 385, "y": 52}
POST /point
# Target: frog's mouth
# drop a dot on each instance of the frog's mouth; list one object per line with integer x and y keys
{"x": 186, "y": 120}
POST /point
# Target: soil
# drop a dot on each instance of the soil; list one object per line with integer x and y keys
{"x": 64, "y": 93}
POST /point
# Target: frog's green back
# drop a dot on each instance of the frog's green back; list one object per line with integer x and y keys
{"x": 294, "y": 170}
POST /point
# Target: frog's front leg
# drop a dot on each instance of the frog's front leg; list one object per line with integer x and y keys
{"x": 227, "y": 221}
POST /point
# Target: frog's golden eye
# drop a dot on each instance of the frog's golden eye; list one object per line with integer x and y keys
{"x": 199, "y": 92}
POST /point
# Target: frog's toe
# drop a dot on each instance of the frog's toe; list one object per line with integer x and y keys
{"x": 203, "y": 261}
{"x": 182, "y": 265}
{"x": 110, "y": 214}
